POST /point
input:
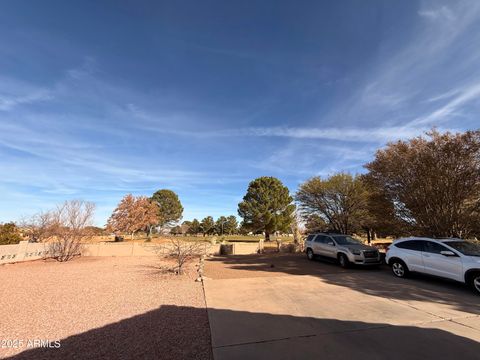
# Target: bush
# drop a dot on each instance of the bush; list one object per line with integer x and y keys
{"x": 9, "y": 234}
{"x": 290, "y": 248}
{"x": 183, "y": 251}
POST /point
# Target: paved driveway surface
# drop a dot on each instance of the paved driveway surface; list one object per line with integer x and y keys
{"x": 284, "y": 307}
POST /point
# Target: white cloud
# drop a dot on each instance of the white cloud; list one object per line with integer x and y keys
{"x": 441, "y": 13}
{"x": 449, "y": 109}
{"x": 14, "y": 93}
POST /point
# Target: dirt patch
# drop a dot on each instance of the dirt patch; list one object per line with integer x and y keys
{"x": 118, "y": 308}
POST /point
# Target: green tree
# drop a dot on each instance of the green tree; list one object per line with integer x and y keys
{"x": 207, "y": 226}
{"x": 315, "y": 223}
{"x": 176, "y": 230}
{"x": 267, "y": 206}
{"x": 381, "y": 218}
{"x": 170, "y": 208}
{"x": 9, "y": 234}
{"x": 340, "y": 200}
{"x": 231, "y": 227}
{"x": 432, "y": 182}
{"x": 220, "y": 225}
{"x": 194, "y": 227}
{"x": 243, "y": 229}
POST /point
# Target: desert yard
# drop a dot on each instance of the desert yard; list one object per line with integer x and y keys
{"x": 103, "y": 308}
{"x": 252, "y": 306}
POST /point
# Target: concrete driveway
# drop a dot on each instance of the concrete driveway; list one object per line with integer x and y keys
{"x": 284, "y": 307}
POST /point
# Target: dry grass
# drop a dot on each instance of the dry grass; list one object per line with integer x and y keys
{"x": 165, "y": 239}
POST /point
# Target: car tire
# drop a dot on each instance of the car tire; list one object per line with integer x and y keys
{"x": 474, "y": 282}
{"x": 310, "y": 254}
{"x": 343, "y": 261}
{"x": 399, "y": 268}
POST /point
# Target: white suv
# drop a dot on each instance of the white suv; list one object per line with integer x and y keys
{"x": 454, "y": 259}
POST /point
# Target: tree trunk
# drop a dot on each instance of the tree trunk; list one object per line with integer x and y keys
{"x": 267, "y": 236}
{"x": 369, "y": 237}
{"x": 132, "y": 235}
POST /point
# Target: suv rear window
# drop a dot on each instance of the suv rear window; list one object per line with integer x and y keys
{"x": 416, "y": 245}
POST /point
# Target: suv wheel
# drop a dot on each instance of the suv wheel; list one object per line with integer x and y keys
{"x": 343, "y": 260}
{"x": 399, "y": 268}
{"x": 310, "y": 254}
{"x": 475, "y": 282}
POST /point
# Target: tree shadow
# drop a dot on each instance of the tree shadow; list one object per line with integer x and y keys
{"x": 176, "y": 332}
{"x": 372, "y": 281}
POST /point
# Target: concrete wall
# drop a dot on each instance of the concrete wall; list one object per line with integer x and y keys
{"x": 25, "y": 251}
{"x": 135, "y": 249}
{"x": 247, "y": 248}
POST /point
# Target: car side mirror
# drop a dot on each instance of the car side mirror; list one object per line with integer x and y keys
{"x": 447, "y": 253}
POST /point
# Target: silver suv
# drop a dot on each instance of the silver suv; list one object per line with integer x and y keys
{"x": 343, "y": 248}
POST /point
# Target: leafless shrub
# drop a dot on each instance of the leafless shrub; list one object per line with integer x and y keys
{"x": 68, "y": 225}
{"x": 291, "y": 248}
{"x": 183, "y": 251}
{"x": 38, "y": 227}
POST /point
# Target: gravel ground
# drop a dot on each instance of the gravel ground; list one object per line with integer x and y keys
{"x": 102, "y": 308}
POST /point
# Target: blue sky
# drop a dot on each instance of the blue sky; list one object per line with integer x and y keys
{"x": 100, "y": 99}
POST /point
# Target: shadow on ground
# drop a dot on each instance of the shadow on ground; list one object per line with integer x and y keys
{"x": 168, "y": 333}
{"x": 372, "y": 281}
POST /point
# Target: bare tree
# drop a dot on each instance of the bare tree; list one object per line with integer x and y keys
{"x": 340, "y": 200}
{"x": 183, "y": 251}
{"x": 38, "y": 227}
{"x": 67, "y": 225}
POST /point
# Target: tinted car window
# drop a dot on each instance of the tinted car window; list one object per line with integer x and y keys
{"x": 416, "y": 245}
{"x": 345, "y": 240}
{"x": 320, "y": 239}
{"x": 310, "y": 237}
{"x": 434, "y": 248}
{"x": 326, "y": 239}
{"x": 469, "y": 248}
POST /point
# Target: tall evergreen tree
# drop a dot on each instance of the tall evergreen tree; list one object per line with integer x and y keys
{"x": 194, "y": 227}
{"x": 267, "y": 206}
{"x": 170, "y": 208}
{"x": 207, "y": 226}
{"x": 231, "y": 227}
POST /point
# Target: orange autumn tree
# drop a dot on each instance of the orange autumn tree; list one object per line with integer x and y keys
{"x": 133, "y": 213}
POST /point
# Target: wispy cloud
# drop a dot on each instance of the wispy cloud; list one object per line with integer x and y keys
{"x": 92, "y": 133}
{"x": 406, "y": 81}
{"x": 347, "y": 134}
{"x": 15, "y": 93}
{"x": 439, "y": 13}
{"x": 448, "y": 110}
